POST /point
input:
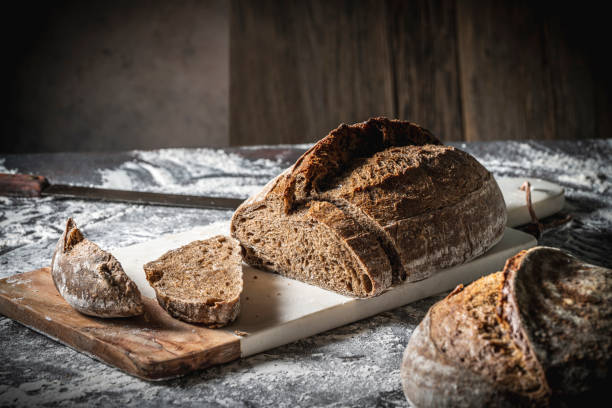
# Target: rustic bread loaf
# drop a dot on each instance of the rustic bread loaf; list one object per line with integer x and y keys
{"x": 200, "y": 282}
{"x": 538, "y": 333}
{"x": 91, "y": 280}
{"x": 371, "y": 205}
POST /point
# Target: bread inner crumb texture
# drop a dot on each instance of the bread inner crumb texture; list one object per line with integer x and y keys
{"x": 202, "y": 271}
{"x": 303, "y": 250}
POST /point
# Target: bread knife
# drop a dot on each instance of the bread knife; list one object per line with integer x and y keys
{"x": 25, "y": 185}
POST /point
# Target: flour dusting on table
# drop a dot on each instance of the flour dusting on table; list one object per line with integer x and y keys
{"x": 191, "y": 171}
{"x": 357, "y": 364}
{"x": 584, "y": 169}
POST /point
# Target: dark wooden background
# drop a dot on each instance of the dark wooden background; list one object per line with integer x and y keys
{"x": 467, "y": 70}
{"x": 115, "y": 75}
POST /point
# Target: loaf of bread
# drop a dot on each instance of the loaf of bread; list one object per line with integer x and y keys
{"x": 92, "y": 280}
{"x": 371, "y": 205}
{"x": 200, "y": 282}
{"x": 538, "y": 333}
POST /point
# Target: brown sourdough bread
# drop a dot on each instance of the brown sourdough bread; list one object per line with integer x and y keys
{"x": 200, "y": 282}
{"x": 371, "y": 205}
{"x": 538, "y": 333}
{"x": 92, "y": 280}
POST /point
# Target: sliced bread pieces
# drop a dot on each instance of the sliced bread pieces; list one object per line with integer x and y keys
{"x": 200, "y": 282}
{"x": 371, "y": 205}
{"x": 91, "y": 280}
{"x": 538, "y": 333}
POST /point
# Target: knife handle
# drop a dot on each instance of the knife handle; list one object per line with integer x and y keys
{"x": 22, "y": 185}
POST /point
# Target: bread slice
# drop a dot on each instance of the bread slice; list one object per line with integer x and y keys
{"x": 371, "y": 205}
{"x": 534, "y": 334}
{"x": 92, "y": 280}
{"x": 200, "y": 282}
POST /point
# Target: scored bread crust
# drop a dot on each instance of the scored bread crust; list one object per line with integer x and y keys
{"x": 197, "y": 302}
{"x": 92, "y": 280}
{"x": 421, "y": 205}
{"x": 332, "y": 154}
{"x": 559, "y": 311}
{"x": 535, "y": 334}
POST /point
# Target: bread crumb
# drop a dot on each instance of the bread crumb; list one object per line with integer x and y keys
{"x": 241, "y": 333}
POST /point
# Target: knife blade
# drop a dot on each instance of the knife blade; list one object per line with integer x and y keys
{"x": 26, "y": 185}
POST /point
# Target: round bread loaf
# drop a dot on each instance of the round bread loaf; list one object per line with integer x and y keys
{"x": 371, "y": 205}
{"x": 537, "y": 333}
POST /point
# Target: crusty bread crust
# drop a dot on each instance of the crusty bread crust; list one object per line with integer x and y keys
{"x": 92, "y": 280}
{"x": 430, "y": 378}
{"x": 559, "y": 311}
{"x": 334, "y": 153}
{"x": 424, "y": 205}
{"x": 535, "y": 334}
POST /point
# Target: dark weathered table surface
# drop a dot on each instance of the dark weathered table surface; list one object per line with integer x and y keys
{"x": 355, "y": 365}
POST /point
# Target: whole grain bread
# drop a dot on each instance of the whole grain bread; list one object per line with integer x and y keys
{"x": 538, "y": 333}
{"x": 200, "y": 282}
{"x": 92, "y": 280}
{"x": 371, "y": 205}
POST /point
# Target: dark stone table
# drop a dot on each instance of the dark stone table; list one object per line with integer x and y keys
{"x": 355, "y": 365}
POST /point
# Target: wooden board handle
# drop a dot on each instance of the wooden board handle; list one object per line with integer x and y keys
{"x": 22, "y": 185}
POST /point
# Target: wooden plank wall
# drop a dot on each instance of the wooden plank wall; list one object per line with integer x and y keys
{"x": 467, "y": 70}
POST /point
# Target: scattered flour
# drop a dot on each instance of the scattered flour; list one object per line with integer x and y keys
{"x": 116, "y": 179}
{"x": 302, "y": 373}
{"x": 301, "y": 146}
{"x": 3, "y": 169}
{"x": 18, "y": 281}
{"x": 191, "y": 171}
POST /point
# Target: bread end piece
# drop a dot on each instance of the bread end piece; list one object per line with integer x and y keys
{"x": 91, "y": 280}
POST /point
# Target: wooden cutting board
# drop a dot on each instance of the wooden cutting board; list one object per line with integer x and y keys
{"x": 151, "y": 346}
{"x": 275, "y": 310}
